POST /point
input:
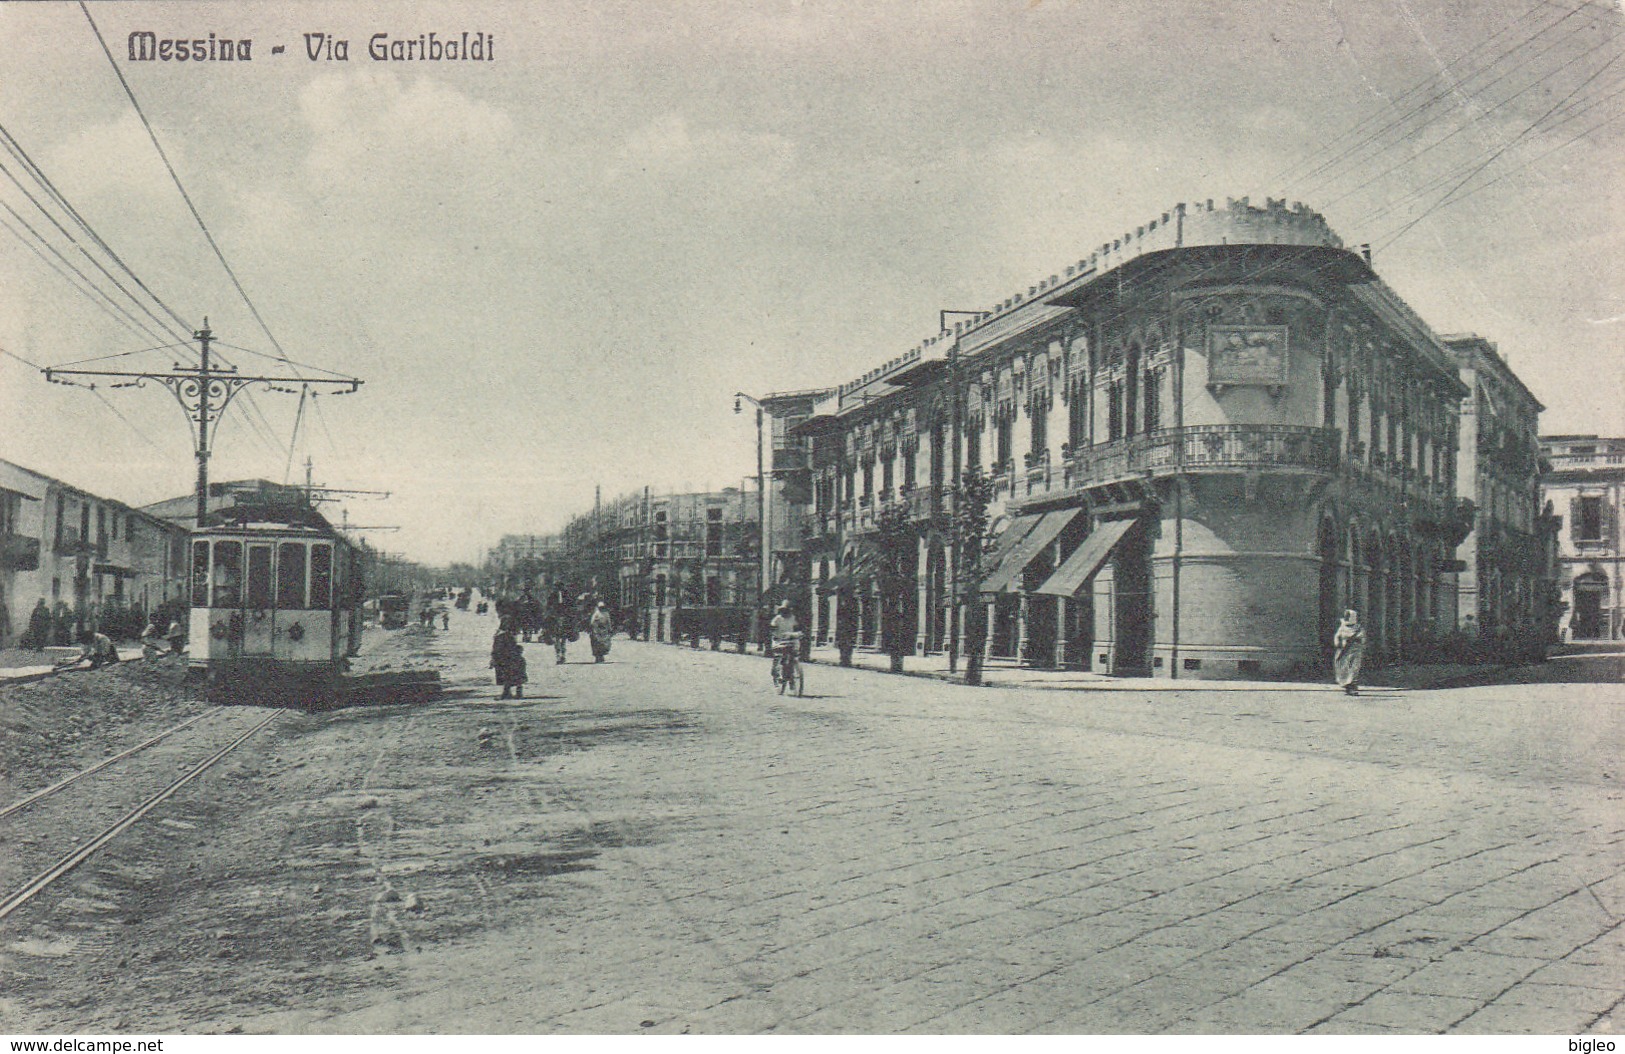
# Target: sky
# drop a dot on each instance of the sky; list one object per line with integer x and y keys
{"x": 553, "y": 269}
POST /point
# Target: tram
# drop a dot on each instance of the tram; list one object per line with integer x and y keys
{"x": 275, "y": 605}
{"x": 392, "y": 610}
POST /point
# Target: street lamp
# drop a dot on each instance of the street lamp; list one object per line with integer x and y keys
{"x": 761, "y": 490}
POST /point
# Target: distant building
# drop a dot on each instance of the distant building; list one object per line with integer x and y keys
{"x": 95, "y": 562}
{"x": 1505, "y": 591}
{"x": 1585, "y": 486}
{"x": 223, "y": 497}
{"x": 647, "y": 555}
{"x": 696, "y": 550}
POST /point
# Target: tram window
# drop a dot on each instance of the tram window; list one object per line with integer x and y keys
{"x": 259, "y": 577}
{"x": 321, "y": 575}
{"x": 228, "y": 574}
{"x": 290, "y": 576}
{"x": 200, "y": 574}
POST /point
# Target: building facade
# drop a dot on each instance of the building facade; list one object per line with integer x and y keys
{"x": 1506, "y": 593}
{"x": 697, "y": 550}
{"x": 1584, "y": 486}
{"x": 1206, "y": 440}
{"x": 94, "y": 562}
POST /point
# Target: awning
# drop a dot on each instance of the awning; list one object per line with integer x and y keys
{"x": 1012, "y": 535}
{"x": 1008, "y": 574}
{"x": 1076, "y": 570}
{"x": 113, "y": 569}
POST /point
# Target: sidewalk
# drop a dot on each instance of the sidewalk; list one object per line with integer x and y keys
{"x": 1007, "y": 673}
{"x": 48, "y": 657}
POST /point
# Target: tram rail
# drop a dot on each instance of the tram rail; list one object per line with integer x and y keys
{"x": 59, "y": 785}
{"x": 81, "y": 851}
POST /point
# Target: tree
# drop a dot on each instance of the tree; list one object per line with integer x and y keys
{"x": 972, "y": 545}
{"x": 894, "y": 552}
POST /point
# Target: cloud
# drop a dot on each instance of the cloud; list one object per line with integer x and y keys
{"x": 115, "y": 159}
{"x": 370, "y": 124}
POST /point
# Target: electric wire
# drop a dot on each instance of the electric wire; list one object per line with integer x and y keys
{"x": 1402, "y": 231}
{"x": 16, "y": 149}
{"x": 119, "y": 355}
{"x": 1539, "y": 157}
{"x": 1413, "y": 157}
{"x": 1421, "y": 86}
{"x": 109, "y": 404}
{"x": 97, "y": 263}
{"x": 173, "y": 175}
{"x": 1393, "y": 205}
{"x": 19, "y": 358}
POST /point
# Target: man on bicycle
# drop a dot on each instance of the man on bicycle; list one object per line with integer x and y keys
{"x": 784, "y": 634}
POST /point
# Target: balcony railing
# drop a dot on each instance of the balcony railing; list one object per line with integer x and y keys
{"x": 1205, "y": 447}
{"x": 789, "y": 459}
{"x": 19, "y": 552}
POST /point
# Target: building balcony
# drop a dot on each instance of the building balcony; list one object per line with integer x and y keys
{"x": 19, "y": 553}
{"x": 1205, "y": 448}
{"x": 789, "y": 459}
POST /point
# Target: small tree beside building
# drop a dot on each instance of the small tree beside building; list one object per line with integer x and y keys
{"x": 972, "y": 544}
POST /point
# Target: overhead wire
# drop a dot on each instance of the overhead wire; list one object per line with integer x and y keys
{"x": 97, "y": 263}
{"x": 1394, "y": 204}
{"x": 1416, "y": 155}
{"x": 1497, "y": 154}
{"x": 1419, "y": 87}
{"x": 15, "y": 148}
{"x": 175, "y": 177}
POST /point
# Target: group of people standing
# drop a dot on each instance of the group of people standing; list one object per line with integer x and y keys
{"x": 555, "y": 622}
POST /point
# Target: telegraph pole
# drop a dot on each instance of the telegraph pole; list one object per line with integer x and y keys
{"x": 203, "y": 391}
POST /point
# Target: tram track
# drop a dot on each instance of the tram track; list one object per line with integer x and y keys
{"x": 62, "y": 784}
{"x": 91, "y": 808}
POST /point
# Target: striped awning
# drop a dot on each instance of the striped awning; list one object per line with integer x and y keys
{"x": 1016, "y": 559}
{"x": 1076, "y": 570}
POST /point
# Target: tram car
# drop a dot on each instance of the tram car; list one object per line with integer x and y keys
{"x": 392, "y": 609}
{"x": 275, "y": 606}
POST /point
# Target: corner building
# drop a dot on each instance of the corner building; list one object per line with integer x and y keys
{"x": 1207, "y": 439}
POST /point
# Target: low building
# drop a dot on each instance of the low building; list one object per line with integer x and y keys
{"x": 92, "y": 561}
{"x": 1207, "y": 439}
{"x": 1584, "y": 486}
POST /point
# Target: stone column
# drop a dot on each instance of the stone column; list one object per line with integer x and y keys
{"x": 922, "y": 609}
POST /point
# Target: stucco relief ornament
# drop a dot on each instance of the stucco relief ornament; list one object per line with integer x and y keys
{"x": 296, "y": 633}
{"x": 1254, "y": 356}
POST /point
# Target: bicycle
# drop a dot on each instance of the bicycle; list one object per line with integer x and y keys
{"x": 787, "y": 671}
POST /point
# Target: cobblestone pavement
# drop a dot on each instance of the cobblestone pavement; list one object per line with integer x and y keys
{"x": 896, "y": 854}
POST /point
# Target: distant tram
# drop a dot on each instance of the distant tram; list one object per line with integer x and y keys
{"x": 275, "y": 606}
{"x": 392, "y": 610}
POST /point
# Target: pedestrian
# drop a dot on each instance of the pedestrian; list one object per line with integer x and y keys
{"x": 508, "y": 660}
{"x": 560, "y": 621}
{"x": 529, "y": 613}
{"x": 38, "y": 634}
{"x": 599, "y": 629}
{"x": 177, "y": 639}
{"x": 1348, "y": 651}
{"x": 445, "y": 620}
{"x": 95, "y": 651}
{"x": 152, "y": 639}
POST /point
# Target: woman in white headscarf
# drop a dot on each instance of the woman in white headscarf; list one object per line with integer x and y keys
{"x": 1348, "y": 651}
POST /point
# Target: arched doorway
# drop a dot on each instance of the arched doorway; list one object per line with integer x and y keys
{"x": 936, "y": 597}
{"x": 1590, "y": 607}
{"x": 1329, "y": 601}
{"x": 1376, "y": 620}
